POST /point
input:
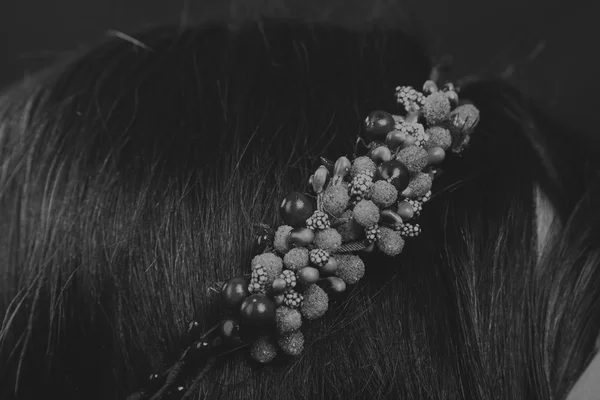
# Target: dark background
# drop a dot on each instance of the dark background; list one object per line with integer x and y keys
{"x": 548, "y": 48}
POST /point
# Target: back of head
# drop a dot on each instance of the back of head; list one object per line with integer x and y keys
{"x": 133, "y": 177}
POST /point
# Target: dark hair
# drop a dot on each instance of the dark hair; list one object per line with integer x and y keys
{"x": 132, "y": 177}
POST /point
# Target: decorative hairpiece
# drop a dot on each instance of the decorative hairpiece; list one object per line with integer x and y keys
{"x": 370, "y": 203}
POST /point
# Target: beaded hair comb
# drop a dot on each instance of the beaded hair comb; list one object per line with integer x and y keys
{"x": 370, "y": 203}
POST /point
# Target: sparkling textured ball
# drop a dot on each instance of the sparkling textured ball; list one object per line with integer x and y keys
{"x": 436, "y": 108}
{"x": 258, "y": 310}
{"x": 291, "y": 343}
{"x": 413, "y": 157}
{"x": 263, "y": 350}
{"x": 390, "y": 242}
{"x": 282, "y": 239}
{"x": 296, "y": 208}
{"x": 383, "y": 194}
{"x": 288, "y": 319}
{"x": 351, "y": 268}
{"x": 315, "y": 302}
{"x": 438, "y": 137}
{"x": 329, "y": 240}
{"x": 366, "y": 213}
{"x": 363, "y": 165}
{"x": 418, "y": 186}
{"x": 235, "y": 290}
{"x": 296, "y": 258}
{"x": 396, "y": 173}
{"x": 335, "y": 199}
{"x": 378, "y": 124}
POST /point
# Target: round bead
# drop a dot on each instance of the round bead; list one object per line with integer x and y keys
{"x": 279, "y": 284}
{"x": 330, "y": 267}
{"x": 381, "y": 154}
{"x": 308, "y": 275}
{"x": 390, "y": 218}
{"x": 231, "y": 331}
{"x": 302, "y": 237}
{"x": 332, "y": 284}
{"x": 258, "y": 310}
{"x": 405, "y": 210}
{"x": 395, "y": 173}
{"x": 378, "y": 124}
{"x": 395, "y": 139}
{"x": 235, "y": 290}
{"x": 435, "y": 155}
{"x": 296, "y": 208}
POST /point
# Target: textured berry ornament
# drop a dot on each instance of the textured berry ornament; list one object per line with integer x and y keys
{"x": 416, "y": 131}
{"x": 318, "y": 257}
{"x": 395, "y": 173}
{"x": 318, "y": 221}
{"x": 416, "y": 205}
{"x": 288, "y": 319}
{"x": 290, "y": 279}
{"x": 272, "y": 265}
{"x": 377, "y": 125}
{"x": 296, "y": 208}
{"x": 409, "y": 230}
{"x": 409, "y": 98}
{"x": 359, "y": 187}
{"x": 315, "y": 303}
{"x": 258, "y": 281}
{"x": 372, "y": 233}
{"x": 425, "y": 198}
{"x": 291, "y": 343}
{"x": 258, "y": 310}
{"x": 292, "y": 299}
{"x": 351, "y": 268}
{"x": 335, "y": 199}
{"x": 235, "y": 290}
{"x": 263, "y": 350}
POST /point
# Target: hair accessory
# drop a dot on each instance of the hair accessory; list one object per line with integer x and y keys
{"x": 368, "y": 203}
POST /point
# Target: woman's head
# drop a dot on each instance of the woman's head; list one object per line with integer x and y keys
{"x": 133, "y": 175}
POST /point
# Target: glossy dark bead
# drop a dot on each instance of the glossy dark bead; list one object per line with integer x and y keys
{"x": 396, "y": 173}
{"x": 308, "y": 275}
{"x": 231, "y": 331}
{"x": 332, "y": 284}
{"x": 302, "y": 237}
{"x": 235, "y": 290}
{"x": 378, "y": 124}
{"x": 258, "y": 310}
{"x": 296, "y": 208}
{"x": 330, "y": 267}
{"x": 390, "y": 218}
{"x": 263, "y": 239}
